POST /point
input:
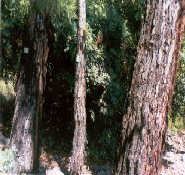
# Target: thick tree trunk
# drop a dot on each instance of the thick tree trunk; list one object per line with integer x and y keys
{"x": 80, "y": 96}
{"x": 150, "y": 96}
{"x": 29, "y": 93}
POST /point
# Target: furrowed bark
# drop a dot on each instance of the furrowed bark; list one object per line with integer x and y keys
{"x": 80, "y": 96}
{"x": 150, "y": 96}
{"x": 29, "y": 93}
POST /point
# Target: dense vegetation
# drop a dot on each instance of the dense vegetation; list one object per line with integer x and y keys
{"x": 113, "y": 31}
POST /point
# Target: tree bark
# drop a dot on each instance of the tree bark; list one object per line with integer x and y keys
{"x": 1, "y": 123}
{"x": 29, "y": 92}
{"x": 80, "y": 96}
{"x": 150, "y": 96}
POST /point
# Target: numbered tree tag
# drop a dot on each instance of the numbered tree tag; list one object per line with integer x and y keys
{"x": 78, "y": 59}
{"x": 26, "y": 50}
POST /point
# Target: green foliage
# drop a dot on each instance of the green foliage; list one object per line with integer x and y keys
{"x": 103, "y": 150}
{"x": 109, "y": 65}
{"x": 109, "y": 68}
{"x": 13, "y": 19}
{"x": 61, "y": 73}
{"x": 7, "y": 160}
{"x": 176, "y": 126}
{"x": 177, "y": 119}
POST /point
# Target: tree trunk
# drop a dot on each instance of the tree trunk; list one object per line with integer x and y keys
{"x": 80, "y": 96}
{"x": 29, "y": 92}
{"x": 150, "y": 96}
{"x": 1, "y": 123}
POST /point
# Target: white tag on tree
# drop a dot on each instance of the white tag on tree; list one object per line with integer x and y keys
{"x": 78, "y": 59}
{"x": 26, "y": 50}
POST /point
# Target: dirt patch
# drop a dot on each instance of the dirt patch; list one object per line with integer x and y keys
{"x": 62, "y": 161}
{"x": 173, "y": 162}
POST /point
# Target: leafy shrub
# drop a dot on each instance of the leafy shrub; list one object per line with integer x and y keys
{"x": 7, "y": 160}
{"x": 104, "y": 148}
{"x": 176, "y": 118}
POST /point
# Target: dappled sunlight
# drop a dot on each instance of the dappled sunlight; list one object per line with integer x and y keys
{"x": 7, "y": 97}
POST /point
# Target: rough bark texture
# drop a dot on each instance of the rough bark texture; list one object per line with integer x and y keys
{"x": 80, "y": 96}
{"x": 1, "y": 124}
{"x": 29, "y": 92}
{"x": 150, "y": 96}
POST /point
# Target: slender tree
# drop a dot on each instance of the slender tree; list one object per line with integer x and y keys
{"x": 29, "y": 89}
{"x": 1, "y": 124}
{"x": 150, "y": 96}
{"x": 79, "y": 95}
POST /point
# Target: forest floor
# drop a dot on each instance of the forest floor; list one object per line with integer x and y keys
{"x": 173, "y": 162}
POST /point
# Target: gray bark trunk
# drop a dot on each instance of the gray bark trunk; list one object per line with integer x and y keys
{"x": 150, "y": 96}
{"x": 1, "y": 124}
{"x": 80, "y": 96}
{"x": 29, "y": 93}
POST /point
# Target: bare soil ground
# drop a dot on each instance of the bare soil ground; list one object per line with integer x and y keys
{"x": 62, "y": 161}
{"x": 173, "y": 162}
{"x": 174, "y": 157}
